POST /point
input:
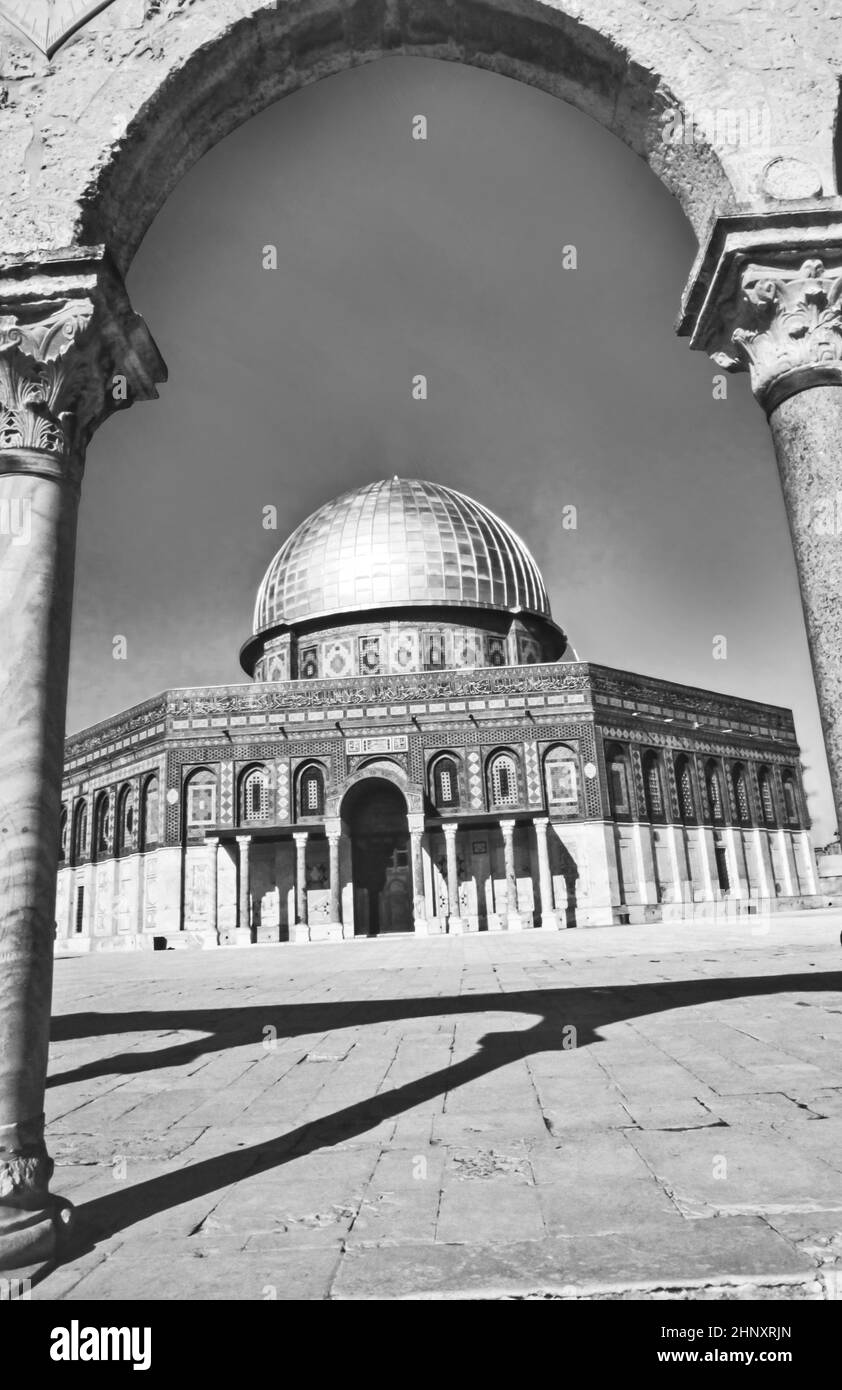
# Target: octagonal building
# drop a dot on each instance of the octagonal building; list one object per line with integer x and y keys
{"x": 414, "y": 752}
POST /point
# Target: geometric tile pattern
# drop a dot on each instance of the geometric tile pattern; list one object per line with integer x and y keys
{"x": 474, "y": 781}
{"x": 282, "y": 782}
{"x": 533, "y": 774}
{"x": 226, "y": 794}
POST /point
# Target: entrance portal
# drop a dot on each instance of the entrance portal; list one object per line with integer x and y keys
{"x": 376, "y": 815}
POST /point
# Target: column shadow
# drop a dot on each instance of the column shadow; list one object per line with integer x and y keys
{"x": 586, "y": 1010}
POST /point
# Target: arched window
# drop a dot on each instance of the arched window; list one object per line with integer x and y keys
{"x": 150, "y": 813}
{"x": 445, "y": 783}
{"x": 653, "y": 786}
{"x": 561, "y": 778}
{"x": 80, "y": 831}
{"x": 740, "y": 783}
{"x": 684, "y": 782}
{"x": 62, "y": 838}
{"x": 714, "y": 791}
{"x": 767, "y": 800}
{"x": 201, "y": 798}
{"x": 790, "y": 799}
{"x": 617, "y": 767}
{"x": 502, "y": 780}
{"x": 125, "y": 821}
{"x": 311, "y": 792}
{"x": 102, "y": 826}
{"x": 254, "y": 795}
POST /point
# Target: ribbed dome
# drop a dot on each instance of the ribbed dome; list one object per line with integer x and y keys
{"x": 399, "y": 543}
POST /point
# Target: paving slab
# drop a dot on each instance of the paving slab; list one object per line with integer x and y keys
{"x": 423, "y": 1122}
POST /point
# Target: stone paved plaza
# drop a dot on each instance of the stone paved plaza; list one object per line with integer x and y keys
{"x": 580, "y": 1113}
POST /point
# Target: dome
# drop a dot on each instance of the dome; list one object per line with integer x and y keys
{"x": 399, "y": 543}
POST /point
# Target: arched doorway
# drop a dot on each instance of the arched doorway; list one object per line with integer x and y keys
{"x": 375, "y": 813}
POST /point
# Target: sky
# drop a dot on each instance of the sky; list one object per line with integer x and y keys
{"x": 549, "y": 387}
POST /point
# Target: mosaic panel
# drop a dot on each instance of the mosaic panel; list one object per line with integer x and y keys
{"x": 532, "y": 771}
{"x": 475, "y": 796}
{"x": 495, "y": 648}
{"x": 404, "y": 654}
{"x": 308, "y": 662}
{"x": 226, "y": 794}
{"x": 282, "y": 789}
{"x": 338, "y": 658}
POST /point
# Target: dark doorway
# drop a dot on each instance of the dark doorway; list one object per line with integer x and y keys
{"x": 722, "y": 867}
{"x": 376, "y": 815}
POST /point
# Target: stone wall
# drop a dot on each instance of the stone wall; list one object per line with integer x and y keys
{"x": 730, "y": 105}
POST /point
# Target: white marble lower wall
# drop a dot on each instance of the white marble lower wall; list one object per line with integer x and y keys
{"x": 600, "y": 873}
{"x": 680, "y": 865}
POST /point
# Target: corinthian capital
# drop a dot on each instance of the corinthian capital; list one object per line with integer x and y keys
{"x": 788, "y": 329}
{"x": 767, "y": 299}
{"x": 72, "y": 351}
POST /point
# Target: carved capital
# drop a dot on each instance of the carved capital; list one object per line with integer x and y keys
{"x": 72, "y": 352}
{"x": 766, "y": 298}
{"x": 787, "y": 329}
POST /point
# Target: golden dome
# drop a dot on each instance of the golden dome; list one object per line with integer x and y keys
{"x": 399, "y": 543}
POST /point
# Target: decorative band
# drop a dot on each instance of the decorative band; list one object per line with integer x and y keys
{"x": 37, "y": 463}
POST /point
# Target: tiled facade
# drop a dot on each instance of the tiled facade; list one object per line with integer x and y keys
{"x": 629, "y": 799}
{"x": 431, "y": 767}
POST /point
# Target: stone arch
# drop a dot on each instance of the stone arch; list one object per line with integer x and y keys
{"x": 176, "y": 85}
{"x": 378, "y": 771}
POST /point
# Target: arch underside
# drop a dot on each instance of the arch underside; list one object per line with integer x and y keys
{"x": 209, "y": 90}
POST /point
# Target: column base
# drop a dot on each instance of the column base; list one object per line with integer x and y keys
{"x": 455, "y": 926}
{"x": 241, "y": 936}
{"x": 33, "y": 1223}
{"x": 209, "y": 940}
{"x": 32, "y": 1241}
{"x": 550, "y": 922}
{"x": 514, "y": 922}
{"x": 299, "y": 932}
{"x": 421, "y": 926}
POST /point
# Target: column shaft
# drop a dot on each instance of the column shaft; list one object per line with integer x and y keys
{"x": 549, "y": 918}
{"x": 454, "y": 916}
{"x": 419, "y": 905}
{"x": 335, "y": 887}
{"x": 807, "y": 434}
{"x": 301, "y": 878}
{"x": 244, "y": 888}
{"x": 513, "y": 921}
{"x": 213, "y": 900}
{"x": 37, "y": 548}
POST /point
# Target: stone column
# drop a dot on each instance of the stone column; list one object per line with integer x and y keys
{"x": 419, "y": 904}
{"x": 455, "y": 925}
{"x": 767, "y": 299}
{"x": 549, "y": 916}
{"x": 212, "y": 934}
{"x": 242, "y": 935}
{"x": 514, "y": 921}
{"x": 71, "y": 352}
{"x": 301, "y": 931}
{"x": 333, "y": 840}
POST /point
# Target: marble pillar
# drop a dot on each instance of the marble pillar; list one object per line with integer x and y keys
{"x": 766, "y": 298}
{"x": 454, "y": 916}
{"x": 333, "y": 840}
{"x": 419, "y": 902}
{"x": 301, "y": 929}
{"x": 212, "y": 933}
{"x": 67, "y": 334}
{"x": 243, "y": 934}
{"x": 549, "y": 916}
{"x": 514, "y": 921}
